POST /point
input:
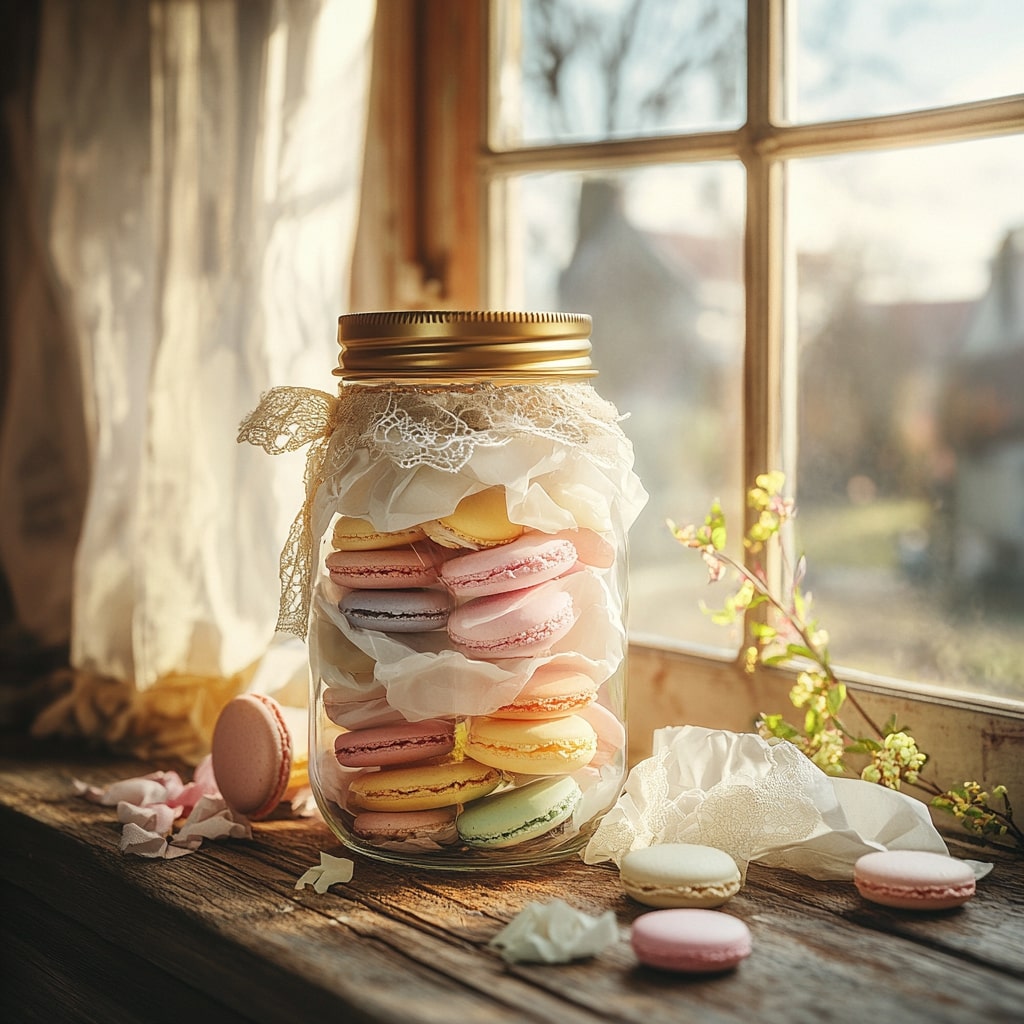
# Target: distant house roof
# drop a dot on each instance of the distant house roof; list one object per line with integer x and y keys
{"x": 984, "y": 401}
{"x": 997, "y": 324}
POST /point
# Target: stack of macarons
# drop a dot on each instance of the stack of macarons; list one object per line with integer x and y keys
{"x": 390, "y": 578}
{"x": 686, "y": 883}
{"x": 495, "y": 587}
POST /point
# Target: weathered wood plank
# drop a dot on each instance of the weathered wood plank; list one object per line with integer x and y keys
{"x": 226, "y": 928}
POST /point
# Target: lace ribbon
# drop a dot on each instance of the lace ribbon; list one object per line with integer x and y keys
{"x": 438, "y": 426}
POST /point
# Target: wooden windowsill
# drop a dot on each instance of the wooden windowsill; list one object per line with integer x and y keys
{"x": 92, "y": 935}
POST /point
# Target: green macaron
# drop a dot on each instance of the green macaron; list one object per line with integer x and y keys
{"x": 519, "y": 814}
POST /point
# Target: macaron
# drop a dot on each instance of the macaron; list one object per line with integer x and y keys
{"x": 516, "y": 815}
{"x": 396, "y": 611}
{"x": 423, "y": 787}
{"x": 533, "y": 558}
{"x": 691, "y": 941}
{"x": 913, "y": 880}
{"x": 377, "y": 827}
{"x": 550, "y": 746}
{"x": 521, "y": 624}
{"x": 480, "y": 520}
{"x": 385, "y": 569}
{"x": 679, "y": 875}
{"x": 351, "y": 534}
{"x": 551, "y": 692}
{"x": 591, "y": 548}
{"x": 251, "y": 754}
{"x": 395, "y": 744}
{"x": 611, "y": 733}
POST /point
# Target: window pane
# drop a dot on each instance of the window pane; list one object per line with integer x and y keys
{"x": 858, "y": 60}
{"x": 586, "y": 70}
{"x": 655, "y": 257}
{"x": 910, "y": 287}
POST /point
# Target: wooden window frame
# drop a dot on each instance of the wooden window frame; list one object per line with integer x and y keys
{"x": 425, "y": 216}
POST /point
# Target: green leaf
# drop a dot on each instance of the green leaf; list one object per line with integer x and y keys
{"x": 778, "y": 726}
{"x": 813, "y": 722}
{"x": 799, "y": 651}
{"x": 863, "y": 746}
{"x": 835, "y": 698}
{"x": 891, "y": 726}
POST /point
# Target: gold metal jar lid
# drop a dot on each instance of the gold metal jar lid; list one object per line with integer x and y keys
{"x": 434, "y": 344}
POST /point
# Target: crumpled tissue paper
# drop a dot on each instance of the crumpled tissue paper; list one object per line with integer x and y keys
{"x": 555, "y": 933}
{"x": 758, "y": 801}
{"x": 148, "y": 807}
{"x": 330, "y": 871}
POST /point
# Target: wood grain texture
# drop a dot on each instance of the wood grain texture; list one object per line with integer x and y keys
{"x": 91, "y": 935}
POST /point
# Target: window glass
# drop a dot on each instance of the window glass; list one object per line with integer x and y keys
{"x": 587, "y": 70}
{"x": 887, "y": 56}
{"x": 910, "y": 311}
{"x": 655, "y": 256}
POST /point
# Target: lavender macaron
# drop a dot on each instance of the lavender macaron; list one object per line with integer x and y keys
{"x": 396, "y": 611}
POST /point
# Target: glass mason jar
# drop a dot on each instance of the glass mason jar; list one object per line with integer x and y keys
{"x": 468, "y": 590}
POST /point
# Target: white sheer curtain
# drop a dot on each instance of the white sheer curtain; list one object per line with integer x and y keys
{"x": 198, "y": 163}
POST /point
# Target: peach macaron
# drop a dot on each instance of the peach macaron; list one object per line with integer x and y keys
{"x": 253, "y": 757}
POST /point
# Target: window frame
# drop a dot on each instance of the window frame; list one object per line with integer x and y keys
{"x": 428, "y": 200}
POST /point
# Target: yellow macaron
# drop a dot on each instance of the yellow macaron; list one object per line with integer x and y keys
{"x": 480, "y": 520}
{"x": 423, "y": 787}
{"x": 351, "y": 534}
{"x": 552, "y": 746}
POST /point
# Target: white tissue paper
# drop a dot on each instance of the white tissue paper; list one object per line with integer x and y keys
{"x": 555, "y": 933}
{"x": 758, "y": 801}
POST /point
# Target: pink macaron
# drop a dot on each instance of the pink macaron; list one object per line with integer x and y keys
{"x": 611, "y": 733}
{"x": 913, "y": 879}
{"x": 692, "y": 941}
{"x": 402, "y": 743}
{"x": 251, "y": 754}
{"x": 533, "y": 558}
{"x": 376, "y": 827}
{"x": 387, "y": 569}
{"x": 521, "y": 624}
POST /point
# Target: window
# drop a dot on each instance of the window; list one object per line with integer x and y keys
{"x": 802, "y": 242}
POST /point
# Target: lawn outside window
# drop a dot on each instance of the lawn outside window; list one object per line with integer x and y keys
{"x": 803, "y": 248}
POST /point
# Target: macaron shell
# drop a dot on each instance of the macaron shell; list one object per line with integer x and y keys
{"x": 513, "y": 625}
{"x": 388, "y": 569}
{"x": 351, "y": 534}
{"x": 520, "y": 814}
{"x": 611, "y": 733}
{"x": 550, "y": 692}
{"x": 402, "y": 743}
{"x": 591, "y": 548}
{"x": 913, "y": 880}
{"x": 533, "y": 558}
{"x": 436, "y": 826}
{"x": 679, "y": 875}
{"x": 532, "y": 747}
{"x": 251, "y": 755}
{"x": 692, "y": 941}
{"x": 422, "y": 788}
{"x": 480, "y": 520}
{"x": 396, "y": 611}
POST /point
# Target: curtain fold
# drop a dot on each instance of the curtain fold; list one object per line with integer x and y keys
{"x": 203, "y": 161}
